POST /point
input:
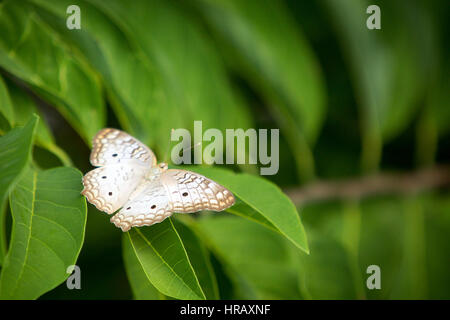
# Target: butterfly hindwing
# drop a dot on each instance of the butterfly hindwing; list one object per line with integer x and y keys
{"x": 108, "y": 188}
{"x": 172, "y": 191}
{"x": 191, "y": 192}
{"x": 150, "y": 205}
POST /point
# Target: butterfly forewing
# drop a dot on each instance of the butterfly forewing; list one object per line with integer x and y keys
{"x": 112, "y": 146}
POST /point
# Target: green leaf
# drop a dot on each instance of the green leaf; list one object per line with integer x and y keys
{"x": 327, "y": 272}
{"x": 24, "y": 108}
{"x": 437, "y": 229}
{"x": 15, "y": 152}
{"x": 49, "y": 218}
{"x": 261, "y": 201}
{"x": 333, "y": 271}
{"x": 401, "y": 236}
{"x": 411, "y": 282}
{"x": 133, "y": 85}
{"x": 438, "y": 101}
{"x": 382, "y": 222}
{"x": 187, "y": 62}
{"x": 405, "y": 237}
{"x": 6, "y": 109}
{"x": 277, "y": 61}
{"x": 175, "y": 73}
{"x": 198, "y": 256}
{"x": 200, "y": 260}
{"x": 386, "y": 72}
{"x": 276, "y": 56}
{"x": 33, "y": 52}
{"x": 164, "y": 260}
{"x": 141, "y": 286}
{"x": 257, "y": 257}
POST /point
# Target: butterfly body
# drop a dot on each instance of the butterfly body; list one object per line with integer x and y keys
{"x": 128, "y": 178}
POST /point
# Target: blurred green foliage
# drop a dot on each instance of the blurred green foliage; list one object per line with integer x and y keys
{"x": 349, "y": 102}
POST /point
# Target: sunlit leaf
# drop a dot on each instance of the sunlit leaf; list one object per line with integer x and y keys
{"x": 141, "y": 286}
{"x": 260, "y": 257}
{"x": 200, "y": 259}
{"x": 24, "y": 108}
{"x": 266, "y": 47}
{"x": 15, "y": 152}
{"x": 49, "y": 218}
{"x": 261, "y": 201}
{"x": 155, "y": 81}
{"x": 32, "y": 51}
{"x": 164, "y": 260}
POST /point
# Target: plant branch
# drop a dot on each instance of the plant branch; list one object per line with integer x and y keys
{"x": 383, "y": 183}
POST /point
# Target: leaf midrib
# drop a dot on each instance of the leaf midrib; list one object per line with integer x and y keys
{"x": 163, "y": 260}
{"x": 29, "y": 234}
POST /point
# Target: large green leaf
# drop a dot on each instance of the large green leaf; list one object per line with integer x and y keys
{"x": 24, "y": 108}
{"x": 278, "y": 62}
{"x": 276, "y": 57}
{"x": 261, "y": 201}
{"x": 164, "y": 259}
{"x": 49, "y": 218}
{"x": 385, "y": 71}
{"x": 327, "y": 272}
{"x": 331, "y": 271}
{"x": 257, "y": 257}
{"x": 141, "y": 286}
{"x": 134, "y": 86}
{"x": 439, "y": 100}
{"x": 163, "y": 80}
{"x": 411, "y": 281}
{"x": 405, "y": 237}
{"x": 15, "y": 152}
{"x": 186, "y": 60}
{"x": 198, "y": 256}
{"x": 435, "y": 118}
{"x": 200, "y": 259}
{"x": 402, "y": 250}
{"x": 32, "y": 51}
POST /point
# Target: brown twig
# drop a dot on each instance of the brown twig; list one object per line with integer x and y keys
{"x": 383, "y": 183}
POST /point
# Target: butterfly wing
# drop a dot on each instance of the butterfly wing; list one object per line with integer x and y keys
{"x": 173, "y": 191}
{"x": 123, "y": 162}
{"x": 191, "y": 192}
{"x": 108, "y": 188}
{"x": 112, "y": 146}
{"x": 151, "y": 205}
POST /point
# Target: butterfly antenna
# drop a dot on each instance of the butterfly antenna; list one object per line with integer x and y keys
{"x": 184, "y": 149}
{"x": 168, "y": 146}
{"x": 192, "y": 147}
